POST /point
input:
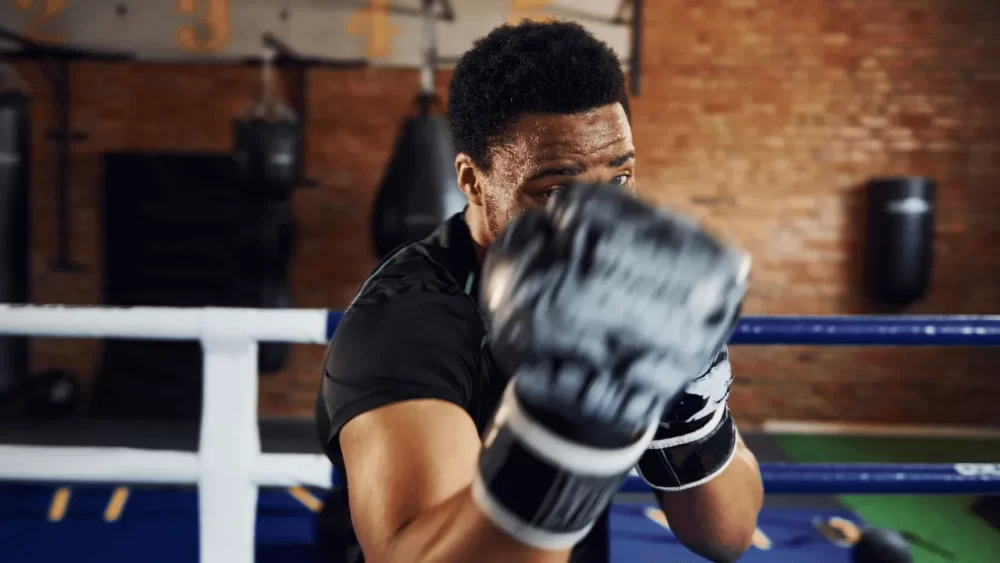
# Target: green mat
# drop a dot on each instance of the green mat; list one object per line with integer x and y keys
{"x": 944, "y": 521}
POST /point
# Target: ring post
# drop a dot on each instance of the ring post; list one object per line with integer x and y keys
{"x": 230, "y": 438}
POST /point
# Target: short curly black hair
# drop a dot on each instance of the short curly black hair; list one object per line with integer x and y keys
{"x": 533, "y": 67}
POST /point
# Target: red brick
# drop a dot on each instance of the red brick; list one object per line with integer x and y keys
{"x": 762, "y": 118}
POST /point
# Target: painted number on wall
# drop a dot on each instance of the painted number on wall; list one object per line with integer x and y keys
{"x": 518, "y": 10}
{"x": 372, "y": 22}
{"x": 38, "y": 27}
{"x": 209, "y": 34}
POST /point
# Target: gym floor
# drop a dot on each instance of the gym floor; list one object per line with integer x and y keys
{"x": 947, "y": 525}
{"x": 49, "y": 522}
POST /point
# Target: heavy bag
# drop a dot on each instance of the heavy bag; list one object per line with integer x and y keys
{"x": 14, "y": 180}
{"x": 419, "y": 189}
{"x": 266, "y": 150}
{"x": 899, "y": 238}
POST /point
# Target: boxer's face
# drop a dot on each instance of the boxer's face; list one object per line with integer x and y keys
{"x": 544, "y": 153}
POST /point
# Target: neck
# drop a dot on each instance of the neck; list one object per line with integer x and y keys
{"x": 478, "y": 228}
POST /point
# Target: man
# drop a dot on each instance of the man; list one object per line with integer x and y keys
{"x": 413, "y": 377}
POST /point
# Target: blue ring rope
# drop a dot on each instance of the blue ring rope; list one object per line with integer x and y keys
{"x": 848, "y": 330}
{"x": 864, "y": 478}
{"x": 872, "y": 478}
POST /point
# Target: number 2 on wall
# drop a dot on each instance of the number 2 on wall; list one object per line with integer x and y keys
{"x": 211, "y": 33}
{"x": 44, "y": 11}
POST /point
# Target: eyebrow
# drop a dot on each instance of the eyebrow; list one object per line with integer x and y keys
{"x": 557, "y": 171}
{"x": 619, "y": 160}
{"x": 577, "y": 170}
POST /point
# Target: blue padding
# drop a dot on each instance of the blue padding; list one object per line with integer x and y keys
{"x": 790, "y": 533}
{"x": 160, "y": 525}
{"x": 849, "y": 330}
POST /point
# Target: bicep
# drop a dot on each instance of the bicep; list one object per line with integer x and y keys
{"x": 403, "y": 459}
{"x": 412, "y": 348}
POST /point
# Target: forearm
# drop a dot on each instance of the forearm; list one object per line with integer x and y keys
{"x": 534, "y": 495}
{"x": 717, "y": 520}
{"x": 458, "y": 531}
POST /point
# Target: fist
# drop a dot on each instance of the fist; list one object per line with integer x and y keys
{"x": 603, "y": 302}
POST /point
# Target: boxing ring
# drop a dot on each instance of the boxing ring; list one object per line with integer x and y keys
{"x": 229, "y": 468}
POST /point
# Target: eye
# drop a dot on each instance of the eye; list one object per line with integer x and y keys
{"x": 619, "y": 180}
{"x": 551, "y": 192}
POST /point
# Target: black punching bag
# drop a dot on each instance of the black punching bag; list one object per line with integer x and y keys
{"x": 900, "y": 232}
{"x": 419, "y": 189}
{"x": 267, "y": 137}
{"x": 14, "y": 179}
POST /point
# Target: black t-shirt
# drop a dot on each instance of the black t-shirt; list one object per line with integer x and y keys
{"x": 415, "y": 331}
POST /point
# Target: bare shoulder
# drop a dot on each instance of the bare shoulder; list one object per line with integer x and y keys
{"x": 402, "y": 459}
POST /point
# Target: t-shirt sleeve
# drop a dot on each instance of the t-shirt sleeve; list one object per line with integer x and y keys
{"x": 417, "y": 345}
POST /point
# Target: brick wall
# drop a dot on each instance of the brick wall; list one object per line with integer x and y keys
{"x": 763, "y": 117}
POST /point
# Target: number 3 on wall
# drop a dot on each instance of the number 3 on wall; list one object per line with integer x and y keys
{"x": 211, "y": 33}
{"x": 44, "y": 11}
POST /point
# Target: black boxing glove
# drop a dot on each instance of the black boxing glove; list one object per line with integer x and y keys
{"x": 696, "y": 437}
{"x": 603, "y": 309}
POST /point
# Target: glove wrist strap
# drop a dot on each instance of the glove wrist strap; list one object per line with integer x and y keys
{"x": 542, "y": 489}
{"x": 684, "y": 456}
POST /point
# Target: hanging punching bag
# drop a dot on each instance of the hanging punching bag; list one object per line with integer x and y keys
{"x": 419, "y": 189}
{"x": 899, "y": 239}
{"x": 266, "y": 140}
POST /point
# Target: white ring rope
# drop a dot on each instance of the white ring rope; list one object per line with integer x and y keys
{"x": 71, "y": 464}
{"x": 166, "y": 323}
{"x": 229, "y": 465}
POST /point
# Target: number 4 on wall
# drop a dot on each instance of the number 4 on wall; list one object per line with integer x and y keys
{"x": 211, "y": 33}
{"x": 372, "y": 22}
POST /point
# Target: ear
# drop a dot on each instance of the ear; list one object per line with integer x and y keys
{"x": 469, "y": 179}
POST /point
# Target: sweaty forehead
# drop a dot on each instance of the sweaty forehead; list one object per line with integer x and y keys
{"x": 589, "y": 138}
